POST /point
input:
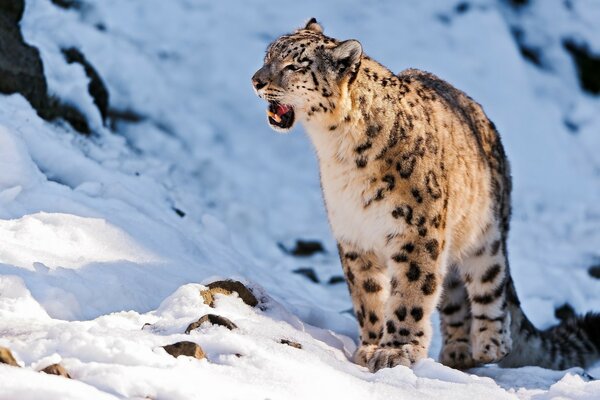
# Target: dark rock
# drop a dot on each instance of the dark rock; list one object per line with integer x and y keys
{"x": 22, "y": 71}
{"x": 180, "y": 213}
{"x": 6, "y": 357}
{"x": 213, "y": 320}
{"x": 334, "y": 280}
{"x": 308, "y": 273}
{"x": 13, "y": 9}
{"x": 304, "y": 248}
{"x": 291, "y": 343}
{"x": 594, "y": 271}
{"x": 68, "y": 4}
{"x": 96, "y": 87}
{"x": 462, "y": 7}
{"x": 228, "y": 287}
{"x": 565, "y": 312}
{"x": 189, "y": 349}
{"x": 517, "y": 3}
{"x": 588, "y": 65}
{"x": 56, "y": 369}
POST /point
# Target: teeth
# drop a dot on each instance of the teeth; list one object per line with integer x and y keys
{"x": 274, "y": 116}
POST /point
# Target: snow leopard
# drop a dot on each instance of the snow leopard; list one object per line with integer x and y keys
{"x": 417, "y": 189}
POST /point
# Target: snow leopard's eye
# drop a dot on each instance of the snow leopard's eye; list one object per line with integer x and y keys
{"x": 293, "y": 67}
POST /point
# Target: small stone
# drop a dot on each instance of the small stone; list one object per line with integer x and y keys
{"x": 6, "y": 357}
{"x": 304, "y": 248}
{"x": 56, "y": 369}
{"x": 308, "y": 273}
{"x": 334, "y": 280}
{"x": 184, "y": 348}
{"x": 594, "y": 271}
{"x": 213, "y": 320}
{"x": 291, "y": 343}
{"x": 228, "y": 287}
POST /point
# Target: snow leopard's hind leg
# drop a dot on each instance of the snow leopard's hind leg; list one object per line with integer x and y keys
{"x": 486, "y": 275}
{"x": 455, "y": 322}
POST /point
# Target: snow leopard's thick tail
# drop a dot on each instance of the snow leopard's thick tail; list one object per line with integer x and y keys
{"x": 575, "y": 342}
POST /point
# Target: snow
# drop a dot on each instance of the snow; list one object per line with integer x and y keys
{"x": 91, "y": 248}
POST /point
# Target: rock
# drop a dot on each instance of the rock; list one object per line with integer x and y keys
{"x": 22, "y": 71}
{"x": 304, "y": 248}
{"x": 184, "y": 348}
{"x": 291, "y": 343}
{"x": 334, "y": 280}
{"x": 213, "y": 320}
{"x": 594, "y": 271}
{"x": 308, "y": 273}
{"x": 6, "y": 357}
{"x": 96, "y": 87}
{"x": 588, "y": 65}
{"x": 228, "y": 287}
{"x": 56, "y": 369}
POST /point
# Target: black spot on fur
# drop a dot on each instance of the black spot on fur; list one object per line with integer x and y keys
{"x": 451, "y": 309}
{"x": 408, "y": 247}
{"x": 401, "y": 313}
{"x": 416, "y": 195}
{"x": 371, "y": 286}
{"x": 417, "y": 313}
{"x": 433, "y": 187}
{"x": 405, "y": 211}
{"x": 350, "y": 276}
{"x": 491, "y": 273}
{"x": 429, "y": 284}
{"x": 361, "y": 162}
{"x": 372, "y": 335}
{"x": 406, "y": 165}
{"x": 414, "y": 272}
{"x": 351, "y": 256}
{"x": 403, "y": 332}
{"x": 433, "y": 248}
{"x": 390, "y": 327}
{"x": 400, "y": 257}
{"x": 373, "y": 317}
{"x": 494, "y": 248}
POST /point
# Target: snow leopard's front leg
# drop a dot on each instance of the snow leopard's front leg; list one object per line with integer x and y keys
{"x": 369, "y": 287}
{"x": 414, "y": 259}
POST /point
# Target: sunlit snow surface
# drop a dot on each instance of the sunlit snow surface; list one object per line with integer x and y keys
{"x": 91, "y": 247}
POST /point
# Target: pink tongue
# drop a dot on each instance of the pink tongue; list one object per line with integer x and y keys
{"x": 282, "y": 109}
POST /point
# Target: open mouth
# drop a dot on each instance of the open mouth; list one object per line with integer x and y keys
{"x": 280, "y": 115}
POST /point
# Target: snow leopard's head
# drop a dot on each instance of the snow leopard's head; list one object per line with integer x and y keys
{"x": 304, "y": 74}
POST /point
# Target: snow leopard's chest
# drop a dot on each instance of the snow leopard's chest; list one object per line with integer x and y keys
{"x": 354, "y": 217}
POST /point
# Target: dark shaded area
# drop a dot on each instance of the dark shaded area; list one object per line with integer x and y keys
{"x": 22, "y": 71}
{"x": 588, "y": 65}
{"x": 517, "y": 3}
{"x": 529, "y": 53}
{"x": 307, "y": 272}
{"x": 594, "y": 271}
{"x": 303, "y": 248}
{"x": 565, "y": 312}
{"x": 68, "y": 4}
{"x": 462, "y": 7}
{"x": 334, "y": 280}
{"x": 96, "y": 87}
{"x": 178, "y": 212}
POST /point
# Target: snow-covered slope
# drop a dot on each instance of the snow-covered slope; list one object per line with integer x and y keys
{"x": 102, "y": 234}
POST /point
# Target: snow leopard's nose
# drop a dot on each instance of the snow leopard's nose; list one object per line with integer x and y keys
{"x": 260, "y": 78}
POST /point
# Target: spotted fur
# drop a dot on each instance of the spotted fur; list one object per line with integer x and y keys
{"x": 417, "y": 189}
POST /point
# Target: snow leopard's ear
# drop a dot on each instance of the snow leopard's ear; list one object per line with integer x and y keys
{"x": 313, "y": 25}
{"x": 346, "y": 57}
